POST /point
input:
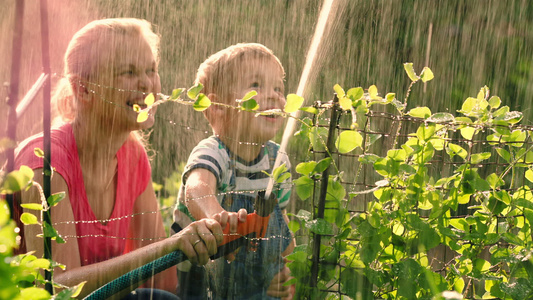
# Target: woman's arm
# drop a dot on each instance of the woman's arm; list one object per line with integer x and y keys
{"x": 101, "y": 273}
{"x": 62, "y": 219}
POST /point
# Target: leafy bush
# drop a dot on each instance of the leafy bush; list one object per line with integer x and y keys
{"x": 20, "y": 275}
{"x": 389, "y": 249}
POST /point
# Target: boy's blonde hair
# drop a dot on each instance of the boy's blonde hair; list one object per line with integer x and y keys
{"x": 218, "y": 72}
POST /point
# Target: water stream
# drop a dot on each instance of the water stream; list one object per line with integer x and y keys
{"x": 310, "y": 59}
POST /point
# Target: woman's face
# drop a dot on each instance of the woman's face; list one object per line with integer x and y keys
{"x": 127, "y": 75}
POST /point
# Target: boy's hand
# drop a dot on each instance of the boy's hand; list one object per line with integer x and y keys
{"x": 232, "y": 219}
{"x": 277, "y": 289}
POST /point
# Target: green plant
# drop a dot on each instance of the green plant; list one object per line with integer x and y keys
{"x": 20, "y": 275}
{"x": 388, "y": 250}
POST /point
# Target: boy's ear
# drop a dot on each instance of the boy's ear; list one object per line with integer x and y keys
{"x": 215, "y": 114}
{"x": 214, "y": 110}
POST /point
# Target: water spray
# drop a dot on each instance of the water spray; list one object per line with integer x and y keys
{"x": 310, "y": 59}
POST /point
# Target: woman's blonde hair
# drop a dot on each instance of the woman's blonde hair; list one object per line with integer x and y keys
{"x": 86, "y": 50}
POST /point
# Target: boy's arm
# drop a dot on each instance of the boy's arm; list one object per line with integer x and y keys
{"x": 201, "y": 200}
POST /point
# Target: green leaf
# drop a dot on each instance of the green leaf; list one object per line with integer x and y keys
{"x": 397, "y": 154}
{"x": 149, "y": 100}
{"x": 294, "y": 102}
{"x": 305, "y": 168}
{"x": 348, "y": 140}
{"x": 305, "y": 216}
{"x": 483, "y": 93}
{"x": 453, "y": 149}
{"x": 54, "y": 199}
{"x": 250, "y": 104}
{"x": 426, "y": 74}
{"x": 304, "y": 187}
{"x": 373, "y": 92}
{"x": 390, "y": 97}
{"x": 17, "y": 180}
{"x": 70, "y": 293}
{"x": 49, "y": 231}
{"x": 512, "y": 239}
{"x": 468, "y": 132}
{"x": 335, "y": 190}
{"x": 28, "y": 219}
{"x": 425, "y": 131}
{"x": 429, "y": 237}
{"x": 310, "y": 109}
{"x": 137, "y": 109}
{"x": 355, "y": 93}
{"x": 494, "y": 181}
{"x": 249, "y": 96}
{"x": 420, "y": 112}
{"x": 40, "y": 263}
{"x": 320, "y": 226}
{"x": 468, "y": 105}
{"x": 142, "y": 116}
{"x": 517, "y": 138}
{"x": 529, "y": 175}
{"x": 495, "y": 206}
{"x": 495, "y": 102}
{"x": 528, "y": 159}
{"x": 33, "y": 293}
{"x": 504, "y": 154}
{"x": 194, "y": 91}
{"x": 33, "y": 206}
{"x": 322, "y": 165}
{"x": 409, "y": 69}
{"x": 368, "y": 158}
{"x": 202, "y": 103}
{"x": 176, "y": 93}
{"x": 441, "y": 118}
{"x": 294, "y": 226}
{"x": 278, "y": 172}
{"x": 345, "y": 103}
{"x": 479, "y": 157}
{"x": 339, "y": 91}
{"x": 460, "y": 223}
{"x": 38, "y": 152}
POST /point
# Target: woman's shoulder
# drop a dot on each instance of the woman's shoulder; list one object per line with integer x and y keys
{"x": 61, "y": 143}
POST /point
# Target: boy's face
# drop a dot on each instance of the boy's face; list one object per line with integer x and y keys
{"x": 265, "y": 76}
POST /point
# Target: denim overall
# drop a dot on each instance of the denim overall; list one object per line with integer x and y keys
{"x": 250, "y": 274}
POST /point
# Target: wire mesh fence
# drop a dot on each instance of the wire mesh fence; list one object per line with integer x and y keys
{"x": 432, "y": 206}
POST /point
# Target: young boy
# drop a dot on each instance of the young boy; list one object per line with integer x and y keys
{"x": 226, "y": 171}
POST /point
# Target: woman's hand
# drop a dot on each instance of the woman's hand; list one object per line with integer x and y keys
{"x": 200, "y": 240}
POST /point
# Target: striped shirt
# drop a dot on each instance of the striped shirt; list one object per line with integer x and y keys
{"x": 235, "y": 176}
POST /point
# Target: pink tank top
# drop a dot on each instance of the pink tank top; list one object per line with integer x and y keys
{"x": 97, "y": 241}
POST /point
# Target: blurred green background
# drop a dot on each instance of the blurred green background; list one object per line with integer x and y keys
{"x": 467, "y": 44}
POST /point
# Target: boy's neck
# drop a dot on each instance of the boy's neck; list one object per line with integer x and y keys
{"x": 244, "y": 150}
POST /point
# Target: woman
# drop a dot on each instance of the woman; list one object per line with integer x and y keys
{"x": 110, "y": 215}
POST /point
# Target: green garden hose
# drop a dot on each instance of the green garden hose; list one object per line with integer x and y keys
{"x": 253, "y": 229}
{"x": 137, "y": 275}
